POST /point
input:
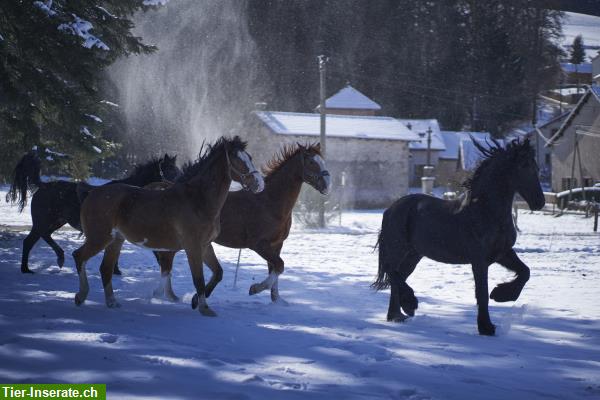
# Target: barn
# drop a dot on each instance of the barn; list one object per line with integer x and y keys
{"x": 367, "y": 153}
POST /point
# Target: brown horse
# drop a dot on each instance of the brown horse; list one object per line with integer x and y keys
{"x": 184, "y": 216}
{"x": 262, "y": 222}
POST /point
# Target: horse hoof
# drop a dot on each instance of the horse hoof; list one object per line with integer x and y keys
{"x": 487, "y": 330}
{"x": 207, "y": 311}
{"x": 172, "y": 298}
{"x": 195, "y": 302}
{"x": 60, "y": 261}
{"x": 113, "y": 304}
{"x": 280, "y": 302}
{"x": 26, "y": 271}
{"x": 79, "y": 300}
{"x": 503, "y": 293}
{"x": 117, "y": 271}
{"x": 253, "y": 289}
{"x": 397, "y": 318}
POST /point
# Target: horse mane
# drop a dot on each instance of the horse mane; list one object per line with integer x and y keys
{"x": 140, "y": 169}
{"x": 287, "y": 152}
{"x": 207, "y": 154}
{"x": 491, "y": 157}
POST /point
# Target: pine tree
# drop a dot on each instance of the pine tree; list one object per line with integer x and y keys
{"x": 52, "y": 54}
{"x": 577, "y": 51}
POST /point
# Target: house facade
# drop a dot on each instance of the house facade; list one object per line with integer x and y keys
{"x": 596, "y": 69}
{"x": 371, "y": 153}
{"x": 575, "y": 158}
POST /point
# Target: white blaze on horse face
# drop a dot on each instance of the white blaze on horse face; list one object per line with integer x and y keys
{"x": 242, "y": 155}
{"x": 319, "y": 160}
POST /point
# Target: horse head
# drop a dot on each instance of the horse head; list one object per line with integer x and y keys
{"x": 241, "y": 168}
{"x": 314, "y": 171}
{"x": 526, "y": 174}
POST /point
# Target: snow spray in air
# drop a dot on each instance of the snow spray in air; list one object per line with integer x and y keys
{"x": 198, "y": 85}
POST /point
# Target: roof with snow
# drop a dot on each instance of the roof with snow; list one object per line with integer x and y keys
{"x": 420, "y": 127}
{"x": 452, "y": 141}
{"x": 350, "y": 98}
{"x": 583, "y": 68}
{"x": 343, "y": 126}
{"x": 593, "y": 92}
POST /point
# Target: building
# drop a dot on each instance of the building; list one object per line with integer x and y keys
{"x": 350, "y": 101}
{"x": 539, "y": 138}
{"x": 575, "y": 158}
{"x": 424, "y": 128}
{"x": 577, "y": 74}
{"x": 459, "y": 158}
{"x": 596, "y": 69}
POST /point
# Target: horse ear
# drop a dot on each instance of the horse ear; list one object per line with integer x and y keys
{"x": 318, "y": 146}
{"x": 300, "y": 145}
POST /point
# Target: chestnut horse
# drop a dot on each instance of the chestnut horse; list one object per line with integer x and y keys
{"x": 262, "y": 222}
{"x": 478, "y": 230}
{"x": 183, "y": 216}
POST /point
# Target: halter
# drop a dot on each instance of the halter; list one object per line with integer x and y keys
{"x": 237, "y": 171}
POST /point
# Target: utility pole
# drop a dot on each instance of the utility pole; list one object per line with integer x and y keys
{"x": 427, "y": 180}
{"x": 322, "y": 71}
{"x": 429, "y": 146}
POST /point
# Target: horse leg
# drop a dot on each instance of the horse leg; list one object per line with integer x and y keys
{"x": 210, "y": 259}
{"x": 275, "y": 288}
{"x": 484, "y": 324}
{"x": 90, "y": 248}
{"x": 194, "y": 255}
{"x": 116, "y": 269}
{"x": 28, "y": 244}
{"x": 276, "y": 267}
{"x": 165, "y": 260}
{"x": 60, "y": 254}
{"x": 401, "y": 294}
{"x": 510, "y": 291}
{"x": 111, "y": 254}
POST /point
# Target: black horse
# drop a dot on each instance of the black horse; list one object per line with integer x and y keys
{"x": 476, "y": 230}
{"x": 56, "y": 203}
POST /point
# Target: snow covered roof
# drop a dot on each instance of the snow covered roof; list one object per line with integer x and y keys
{"x": 350, "y": 98}
{"x": 344, "y": 126}
{"x": 595, "y": 90}
{"x": 452, "y": 141}
{"x": 420, "y": 127}
{"x": 583, "y": 68}
{"x": 470, "y": 155}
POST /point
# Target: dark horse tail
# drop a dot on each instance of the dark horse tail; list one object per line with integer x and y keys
{"x": 25, "y": 175}
{"x": 393, "y": 240}
{"x": 383, "y": 279}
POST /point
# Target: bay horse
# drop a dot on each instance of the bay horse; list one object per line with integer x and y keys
{"x": 262, "y": 222}
{"x": 56, "y": 203}
{"x": 182, "y": 216}
{"x": 478, "y": 230}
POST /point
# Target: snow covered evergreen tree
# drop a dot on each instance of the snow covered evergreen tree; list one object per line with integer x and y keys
{"x": 52, "y": 54}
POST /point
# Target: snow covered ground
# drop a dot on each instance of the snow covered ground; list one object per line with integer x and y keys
{"x": 332, "y": 341}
